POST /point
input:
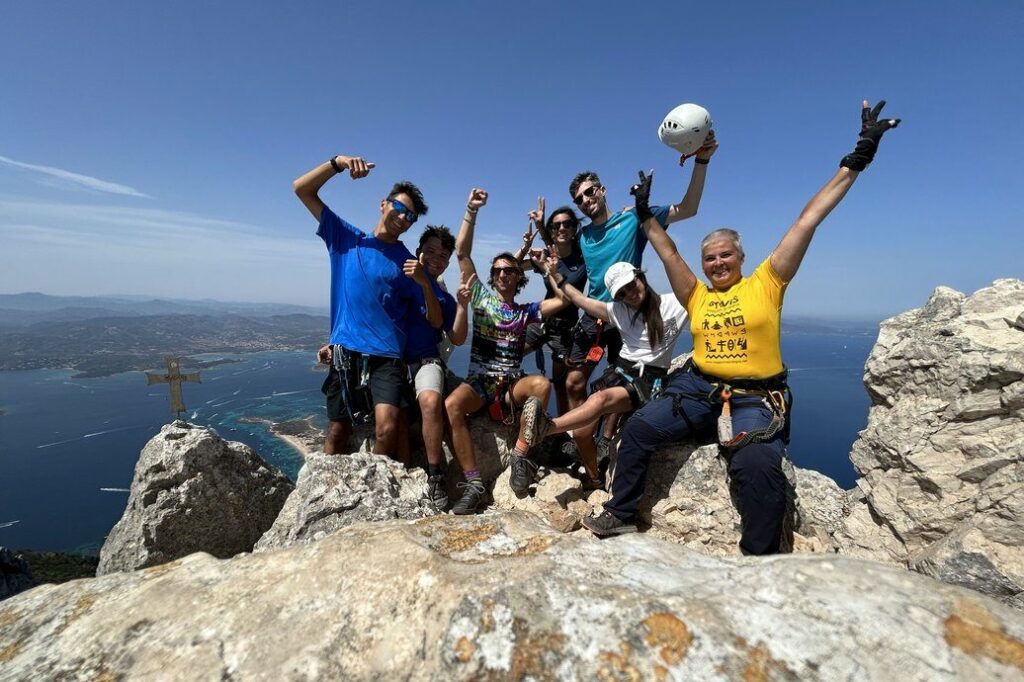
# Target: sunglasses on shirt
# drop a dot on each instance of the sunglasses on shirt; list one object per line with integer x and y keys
{"x": 410, "y": 215}
{"x": 585, "y": 194}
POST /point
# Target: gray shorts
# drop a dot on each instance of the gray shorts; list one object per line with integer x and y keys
{"x": 433, "y": 376}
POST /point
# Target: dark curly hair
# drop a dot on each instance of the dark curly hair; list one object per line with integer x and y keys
{"x": 580, "y": 179}
{"x": 413, "y": 192}
{"x": 506, "y": 255}
{"x": 442, "y": 233}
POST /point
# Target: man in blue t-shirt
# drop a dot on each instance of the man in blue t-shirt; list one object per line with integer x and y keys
{"x": 613, "y": 237}
{"x": 371, "y": 299}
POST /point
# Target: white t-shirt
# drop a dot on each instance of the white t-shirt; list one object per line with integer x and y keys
{"x": 635, "y": 345}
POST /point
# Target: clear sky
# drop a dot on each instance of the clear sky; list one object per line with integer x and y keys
{"x": 149, "y": 148}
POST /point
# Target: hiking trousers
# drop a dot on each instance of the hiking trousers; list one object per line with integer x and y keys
{"x": 755, "y": 471}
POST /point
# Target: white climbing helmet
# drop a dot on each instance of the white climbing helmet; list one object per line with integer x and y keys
{"x": 685, "y": 128}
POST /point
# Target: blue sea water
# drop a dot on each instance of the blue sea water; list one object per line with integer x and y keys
{"x": 68, "y": 447}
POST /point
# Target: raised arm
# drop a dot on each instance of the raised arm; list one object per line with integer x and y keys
{"x": 679, "y": 274}
{"x": 464, "y": 242}
{"x": 460, "y": 329}
{"x": 790, "y": 252}
{"x": 687, "y": 207}
{"x": 307, "y": 187}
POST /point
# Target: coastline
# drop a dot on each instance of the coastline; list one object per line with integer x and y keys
{"x": 301, "y": 435}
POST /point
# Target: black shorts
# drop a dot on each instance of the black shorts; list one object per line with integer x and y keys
{"x": 583, "y": 338}
{"x": 386, "y": 384}
{"x": 557, "y": 335}
{"x": 642, "y": 388}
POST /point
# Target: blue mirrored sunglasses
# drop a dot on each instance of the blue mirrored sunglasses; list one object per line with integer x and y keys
{"x": 407, "y": 213}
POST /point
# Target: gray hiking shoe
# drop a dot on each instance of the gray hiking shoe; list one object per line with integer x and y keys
{"x": 438, "y": 493}
{"x": 474, "y": 497}
{"x": 608, "y": 524}
{"x": 536, "y": 422}
{"x": 524, "y": 472}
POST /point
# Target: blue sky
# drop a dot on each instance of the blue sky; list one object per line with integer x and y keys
{"x": 149, "y": 148}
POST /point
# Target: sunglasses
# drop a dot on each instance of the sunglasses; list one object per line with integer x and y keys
{"x": 410, "y": 215}
{"x": 503, "y": 270}
{"x": 563, "y": 223}
{"x": 585, "y": 194}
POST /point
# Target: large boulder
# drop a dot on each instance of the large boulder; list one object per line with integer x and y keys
{"x": 334, "y": 491}
{"x": 501, "y": 596}
{"x": 15, "y": 574}
{"x": 942, "y": 457}
{"x": 193, "y": 491}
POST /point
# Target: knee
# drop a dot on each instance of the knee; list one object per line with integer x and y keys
{"x": 386, "y": 430}
{"x": 576, "y": 385}
{"x": 430, "y": 404}
{"x": 336, "y": 429}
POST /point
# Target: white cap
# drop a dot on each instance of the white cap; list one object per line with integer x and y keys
{"x": 618, "y": 276}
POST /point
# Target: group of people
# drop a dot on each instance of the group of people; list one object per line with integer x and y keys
{"x": 394, "y": 324}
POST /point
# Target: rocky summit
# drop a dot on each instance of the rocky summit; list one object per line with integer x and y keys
{"x": 503, "y": 596}
{"x": 357, "y": 577}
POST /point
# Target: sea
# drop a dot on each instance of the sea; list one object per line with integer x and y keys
{"x": 68, "y": 447}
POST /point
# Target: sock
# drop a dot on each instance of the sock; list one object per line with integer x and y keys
{"x": 521, "y": 448}
{"x": 434, "y": 469}
{"x": 472, "y": 474}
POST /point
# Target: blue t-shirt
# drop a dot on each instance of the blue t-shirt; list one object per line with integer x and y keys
{"x": 620, "y": 238}
{"x": 370, "y": 295}
{"x": 422, "y": 338}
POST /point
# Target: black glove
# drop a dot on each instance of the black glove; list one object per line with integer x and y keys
{"x": 642, "y": 192}
{"x": 871, "y": 131}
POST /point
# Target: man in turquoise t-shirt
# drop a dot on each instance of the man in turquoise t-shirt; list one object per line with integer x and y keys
{"x": 370, "y": 304}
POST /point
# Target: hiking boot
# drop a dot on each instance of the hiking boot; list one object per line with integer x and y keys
{"x": 474, "y": 497}
{"x": 524, "y": 471}
{"x": 536, "y": 422}
{"x": 608, "y": 524}
{"x": 438, "y": 493}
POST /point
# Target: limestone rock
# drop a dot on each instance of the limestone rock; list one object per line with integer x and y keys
{"x": 501, "y": 596}
{"x": 15, "y": 574}
{"x": 193, "y": 492}
{"x": 334, "y": 491}
{"x": 942, "y": 457}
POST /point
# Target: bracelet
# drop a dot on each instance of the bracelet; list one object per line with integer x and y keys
{"x": 470, "y": 209}
{"x": 702, "y": 162}
{"x": 335, "y": 166}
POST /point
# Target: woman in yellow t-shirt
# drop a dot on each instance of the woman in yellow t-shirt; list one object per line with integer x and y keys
{"x": 736, "y": 377}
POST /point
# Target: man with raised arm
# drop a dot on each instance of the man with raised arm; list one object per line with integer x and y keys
{"x": 371, "y": 300}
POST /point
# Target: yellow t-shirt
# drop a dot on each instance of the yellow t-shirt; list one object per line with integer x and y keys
{"x": 736, "y": 332}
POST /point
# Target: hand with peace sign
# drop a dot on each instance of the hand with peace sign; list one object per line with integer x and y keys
{"x": 871, "y": 131}
{"x": 464, "y": 294}
{"x": 536, "y": 216}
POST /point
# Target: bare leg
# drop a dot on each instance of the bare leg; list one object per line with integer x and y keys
{"x": 558, "y": 376}
{"x": 609, "y": 401}
{"x": 576, "y": 385}
{"x": 338, "y": 433}
{"x": 386, "y": 417}
{"x": 433, "y": 425}
{"x": 463, "y": 401}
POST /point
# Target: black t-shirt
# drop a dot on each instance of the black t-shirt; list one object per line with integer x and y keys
{"x": 574, "y": 269}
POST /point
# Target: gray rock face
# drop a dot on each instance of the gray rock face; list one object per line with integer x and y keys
{"x": 193, "y": 492}
{"x": 334, "y": 491}
{"x": 942, "y": 457}
{"x": 501, "y": 596}
{"x": 15, "y": 574}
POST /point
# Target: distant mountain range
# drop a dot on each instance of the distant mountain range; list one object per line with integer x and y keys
{"x": 102, "y": 335}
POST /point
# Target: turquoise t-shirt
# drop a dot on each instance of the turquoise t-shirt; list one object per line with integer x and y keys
{"x": 619, "y": 239}
{"x": 370, "y": 294}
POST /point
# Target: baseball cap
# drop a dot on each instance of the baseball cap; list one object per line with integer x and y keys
{"x": 618, "y": 276}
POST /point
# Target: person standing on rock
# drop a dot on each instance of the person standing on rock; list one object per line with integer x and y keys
{"x": 611, "y": 238}
{"x": 736, "y": 377}
{"x": 371, "y": 300}
{"x": 495, "y": 379}
{"x": 433, "y": 333}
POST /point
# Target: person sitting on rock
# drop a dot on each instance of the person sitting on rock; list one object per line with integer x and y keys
{"x": 649, "y": 326}
{"x": 495, "y": 379}
{"x": 432, "y": 336}
{"x": 736, "y": 376}
{"x": 371, "y": 300}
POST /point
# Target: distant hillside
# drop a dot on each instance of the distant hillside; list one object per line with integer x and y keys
{"x": 107, "y": 345}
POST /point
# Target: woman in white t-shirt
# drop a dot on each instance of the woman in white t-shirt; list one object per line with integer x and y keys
{"x": 650, "y": 325}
